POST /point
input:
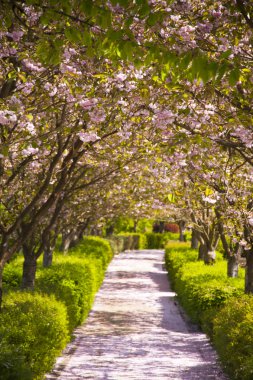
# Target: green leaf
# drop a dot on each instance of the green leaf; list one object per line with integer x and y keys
{"x": 73, "y": 35}
{"x": 234, "y": 76}
{"x": 5, "y": 150}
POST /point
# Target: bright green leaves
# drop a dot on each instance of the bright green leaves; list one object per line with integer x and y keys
{"x": 234, "y": 76}
{"x": 4, "y": 150}
{"x": 77, "y": 36}
{"x": 49, "y": 51}
{"x": 204, "y": 69}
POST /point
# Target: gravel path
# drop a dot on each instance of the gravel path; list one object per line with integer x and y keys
{"x": 136, "y": 331}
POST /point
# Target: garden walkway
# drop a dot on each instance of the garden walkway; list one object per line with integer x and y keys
{"x": 136, "y": 331}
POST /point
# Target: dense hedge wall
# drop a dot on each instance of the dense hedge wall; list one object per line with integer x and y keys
{"x": 159, "y": 240}
{"x": 133, "y": 241}
{"x": 217, "y": 304}
{"x": 35, "y": 326}
{"x": 33, "y": 331}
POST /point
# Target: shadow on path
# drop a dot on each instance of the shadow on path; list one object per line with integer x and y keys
{"x": 136, "y": 331}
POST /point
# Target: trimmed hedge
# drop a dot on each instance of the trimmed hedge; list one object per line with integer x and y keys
{"x": 158, "y": 240}
{"x": 218, "y": 304}
{"x": 116, "y": 243}
{"x": 41, "y": 322}
{"x": 200, "y": 287}
{"x": 133, "y": 241}
{"x": 233, "y": 337}
{"x": 33, "y": 331}
{"x": 94, "y": 247}
{"x": 73, "y": 281}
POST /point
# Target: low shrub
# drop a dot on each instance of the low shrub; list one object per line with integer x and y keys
{"x": 73, "y": 281}
{"x": 218, "y": 304}
{"x": 233, "y": 337}
{"x": 116, "y": 243}
{"x": 41, "y": 322}
{"x": 200, "y": 287}
{"x": 159, "y": 240}
{"x": 33, "y": 331}
{"x": 93, "y": 247}
{"x": 12, "y": 275}
{"x": 133, "y": 241}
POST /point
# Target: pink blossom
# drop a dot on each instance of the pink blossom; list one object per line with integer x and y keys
{"x": 98, "y": 115}
{"x": 121, "y": 77}
{"x": 32, "y": 66}
{"x": 30, "y": 150}
{"x": 30, "y": 128}
{"x": 88, "y": 137}
{"x": 16, "y": 35}
{"x": 87, "y": 103}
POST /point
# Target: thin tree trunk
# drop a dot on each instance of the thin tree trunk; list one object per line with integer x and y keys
{"x": 209, "y": 256}
{"x": 194, "y": 240}
{"x": 48, "y": 247}
{"x": 29, "y": 270}
{"x": 1, "y": 286}
{"x": 48, "y": 257}
{"x": 181, "y": 225}
{"x": 249, "y": 272}
{"x": 232, "y": 266}
{"x": 66, "y": 240}
{"x": 202, "y": 251}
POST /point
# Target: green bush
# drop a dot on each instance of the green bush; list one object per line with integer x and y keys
{"x": 93, "y": 247}
{"x": 159, "y": 240}
{"x": 116, "y": 243}
{"x": 201, "y": 288}
{"x": 12, "y": 275}
{"x": 73, "y": 281}
{"x": 233, "y": 337}
{"x": 217, "y": 303}
{"x": 133, "y": 241}
{"x": 33, "y": 331}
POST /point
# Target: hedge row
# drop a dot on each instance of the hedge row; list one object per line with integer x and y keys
{"x": 35, "y": 326}
{"x": 218, "y": 305}
{"x": 159, "y": 241}
{"x": 130, "y": 241}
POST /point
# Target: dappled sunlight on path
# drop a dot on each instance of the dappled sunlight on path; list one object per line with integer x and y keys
{"x": 135, "y": 330}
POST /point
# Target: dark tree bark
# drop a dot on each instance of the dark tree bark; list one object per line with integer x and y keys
{"x": 202, "y": 251}
{"x": 29, "y": 267}
{"x": 65, "y": 243}
{"x": 194, "y": 240}
{"x": 209, "y": 256}
{"x": 232, "y": 251}
{"x": 48, "y": 246}
{"x": 233, "y": 266}
{"x": 182, "y": 227}
{"x": 249, "y": 272}
{"x": 1, "y": 287}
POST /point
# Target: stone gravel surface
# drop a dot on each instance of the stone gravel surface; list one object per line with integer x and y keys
{"x": 136, "y": 330}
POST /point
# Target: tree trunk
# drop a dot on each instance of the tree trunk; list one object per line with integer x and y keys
{"x": 48, "y": 248}
{"x": 232, "y": 266}
{"x": 181, "y": 225}
{"x": 1, "y": 286}
{"x": 202, "y": 251}
{"x": 29, "y": 268}
{"x": 209, "y": 256}
{"x": 66, "y": 240}
{"x": 48, "y": 257}
{"x": 194, "y": 240}
{"x": 249, "y": 272}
